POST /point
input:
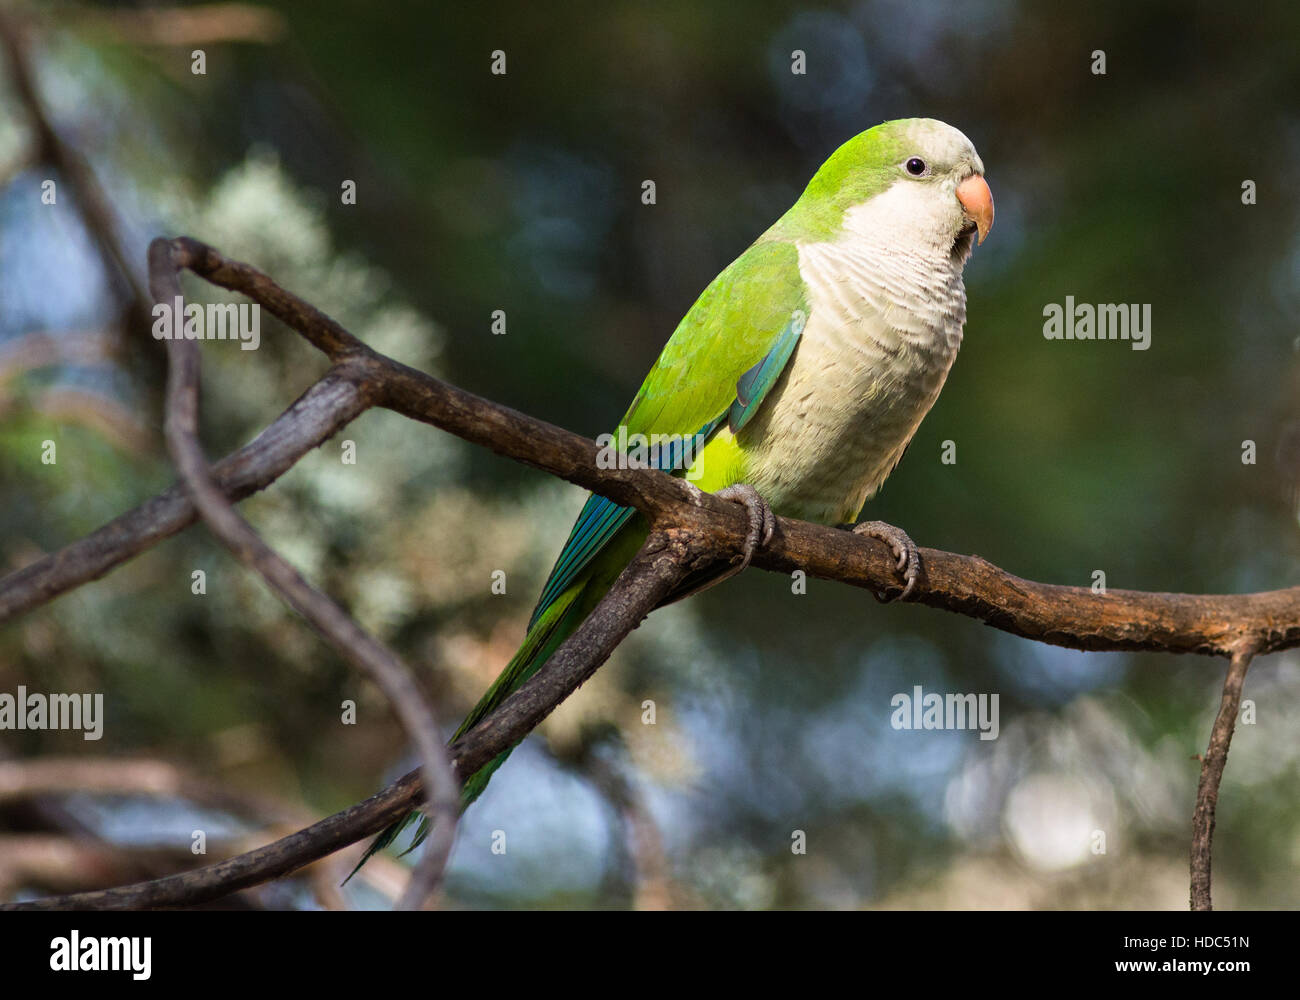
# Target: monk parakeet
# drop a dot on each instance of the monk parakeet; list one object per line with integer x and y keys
{"x": 801, "y": 373}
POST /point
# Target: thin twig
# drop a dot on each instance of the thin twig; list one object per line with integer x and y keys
{"x": 183, "y": 27}
{"x": 1212, "y": 764}
{"x": 88, "y": 196}
{"x": 317, "y": 415}
{"x": 325, "y": 334}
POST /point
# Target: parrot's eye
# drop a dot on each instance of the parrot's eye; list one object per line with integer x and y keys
{"x": 915, "y": 166}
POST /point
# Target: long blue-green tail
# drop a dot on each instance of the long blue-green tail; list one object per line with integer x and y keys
{"x": 551, "y": 629}
{"x": 600, "y": 545}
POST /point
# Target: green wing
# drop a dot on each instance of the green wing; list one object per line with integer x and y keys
{"x": 731, "y": 328}
{"x": 718, "y": 366}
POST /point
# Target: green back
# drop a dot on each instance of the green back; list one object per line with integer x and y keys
{"x": 753, "y": 309}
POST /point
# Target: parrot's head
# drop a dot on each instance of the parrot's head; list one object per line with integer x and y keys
{"x": 916, "y": 184}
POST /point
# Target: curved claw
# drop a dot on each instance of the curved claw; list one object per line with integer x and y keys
{"x": 908, "y": 560}
{"x": 762, "y": 525}
{"x": 762, "y": 522}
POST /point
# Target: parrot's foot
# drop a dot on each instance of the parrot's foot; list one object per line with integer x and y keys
{"x": 762, "y": 522}
{"x": 909, "y": 561}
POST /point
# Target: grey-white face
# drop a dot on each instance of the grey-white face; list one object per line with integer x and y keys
{"x": 946, "y": 152}
{"x": 938, "y": 202}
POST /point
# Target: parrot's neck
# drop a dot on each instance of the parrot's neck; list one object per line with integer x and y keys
{"x": 890, "y": 282}
{"x": 902, "y": 243}
{"x": 912, "y": 216}
{"x": 886, "y": 308}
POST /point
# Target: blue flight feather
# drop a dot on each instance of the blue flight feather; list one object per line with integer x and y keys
{"x": 601, "y": 518}
{"x": 754, "y": 385}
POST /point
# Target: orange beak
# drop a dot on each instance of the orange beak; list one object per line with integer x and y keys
{"x": 977, "y": 200}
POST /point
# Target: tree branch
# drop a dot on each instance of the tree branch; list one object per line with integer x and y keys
{"x": 689, "y": 530}
{"x": 331, "y": 621}
{"x": 662, "y": 562}
{"x": 1075, "y": 617}
{"x": 135, "y": 776}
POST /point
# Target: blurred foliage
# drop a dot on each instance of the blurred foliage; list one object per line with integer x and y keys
{"x": 521, "y": 192}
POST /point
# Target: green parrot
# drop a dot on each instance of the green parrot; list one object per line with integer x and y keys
{"x": 796, "y": 381}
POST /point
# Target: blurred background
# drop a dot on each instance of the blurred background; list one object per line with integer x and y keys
{"x": 522, "y": 192}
